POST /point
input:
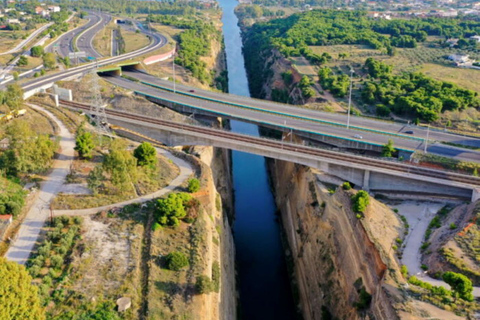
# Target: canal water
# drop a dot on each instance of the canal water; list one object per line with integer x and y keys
{"x": 265, "y": 292}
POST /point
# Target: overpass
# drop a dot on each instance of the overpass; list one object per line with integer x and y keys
{"x": 377, "y": 175}
{"x": 311, "y": 125}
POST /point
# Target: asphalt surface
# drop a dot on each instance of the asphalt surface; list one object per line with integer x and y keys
{"x": 384, "y": 126}
{"x": 64, "y": 44}
{"x": 401, "y": 142}
{"x": 85, "y": 39}
{"x": 115, "y": 46}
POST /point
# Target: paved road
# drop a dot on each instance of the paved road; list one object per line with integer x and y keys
{"x": 20, "y": 249}
{"x": 65, "y": 42}
{"x": 115, "y": 46}
{"x": 385, "y": 126}
{"x": 85, "y": 40}
{"x": 419, "y": 216}
{"x": 185, "y": 173}
{"x": 20, "y": 46}
{"x": 294, "y": 123}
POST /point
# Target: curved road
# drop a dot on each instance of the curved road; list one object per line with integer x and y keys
{"x": 85, "y": 39}
{"x": 20, "y": 46}
{"x": 64, "y": 44}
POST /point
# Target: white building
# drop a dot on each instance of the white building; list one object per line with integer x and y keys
{"x": 477, "y": 38}
{"x": 12, "y": 21}
{"x": 54, "y": 8}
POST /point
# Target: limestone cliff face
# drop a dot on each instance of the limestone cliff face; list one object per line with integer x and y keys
{"x": 220, "y": 193}
{"x": 334, "y": 253}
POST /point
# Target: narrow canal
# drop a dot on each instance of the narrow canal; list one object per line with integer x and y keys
{"x": 264, "y": 287}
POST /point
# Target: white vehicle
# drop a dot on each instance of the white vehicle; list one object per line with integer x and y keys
{"x": 357, "y": 136}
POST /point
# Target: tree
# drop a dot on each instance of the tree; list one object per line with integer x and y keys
{"x": 84, "y": 144}
{"x": 14, "y": 96}
{"x": 18, "y": 296}
{"x": 204, "y": 285}
{"x": 121, "y": 165}
{"x": 95, "y": 179}
{"x": 171, "y": 209}
{"x": 145, "y": 154}
{"x": 360, "y": 201}
{"x": 460, "y": 284}
{"x": 36, "y": 51}
{"x": 193, "y": 185}
{"x": 16, "y": 76}
{"x": 388, "y": 149}
{"x": 49, "y": 60}
{"x": 22, "y": 61}
{"x": 176, "y": 261}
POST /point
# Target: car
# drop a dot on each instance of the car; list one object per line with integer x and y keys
{"x": 358, "y": 136}
{"x": 191, "y": 90}
{"x": 409, "y": 132}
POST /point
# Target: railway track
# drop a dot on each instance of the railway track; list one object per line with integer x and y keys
{"x": 394, "y": 166}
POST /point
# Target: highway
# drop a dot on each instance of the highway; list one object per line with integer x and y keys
{"x": 302, "y": 122}
{"x": 351, "y": 160}
{"x": 64, "y": 44}
{"x": 157, "y": 41}
{"x": 20, "y": 46}
{"x": 361, "y": 123}
{"x": 85, "y": 39}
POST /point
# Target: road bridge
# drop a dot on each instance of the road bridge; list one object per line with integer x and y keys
{"x": 308, "y": 124}
{"x": 372, "y": 174}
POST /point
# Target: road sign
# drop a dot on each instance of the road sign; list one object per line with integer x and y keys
{"x": 80, "y": 54}
{"x": 91, "y": 58}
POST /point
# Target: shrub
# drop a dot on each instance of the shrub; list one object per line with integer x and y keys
{"x": 156, "y": 226}
{"x": 360, "y": 201}
{"x": 56, "y": 261}
{"x": 364, "y": 299}
{"x": 47, "y": 280}
{"x": 61, "y": 250}
{"x": 204, "y": 285}
{"x": 424, "y": 267}
{"x": 77, "y": 220}
{"x": 404, "y": 270}
{"x": 176, "y": 261}
{"x": 216, "y": 276}
{"x": 460, "y": 284}
{"x": 453, "y": 226}
{"x": 34, "y": 271}
{"x": 193, "y": 185}
{"x": 145, "y": 154}
{"x": 346, "y": 186}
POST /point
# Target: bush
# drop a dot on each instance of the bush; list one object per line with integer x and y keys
{"x": 346, "y": 186}
{"x": 216, "y": 276}
{"x": 453, "y": 226}
{"x": 156, "y": 226}
{"x": 404, "y": 270}
{"x": 360, "y": 201}
{"x": 193, "y": 185}
{"x": 460, "y": 284}
{"x": 176, "y": 261}
{"x": 204, "y": 285}
{"x": 34, "y": 271}
{"x": 56, "y": 261}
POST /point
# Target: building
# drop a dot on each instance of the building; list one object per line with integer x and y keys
{"x": 477, "y": 38}
{"x": 41, "y": 11}
{"x": 6, "y": 218}
{"x": 452, "y": 42}
{"x": 13, "y": 21}
{"x": 54, "y": 8}
{"x": 4, "y": 144}
{"x": 461, "y": 60}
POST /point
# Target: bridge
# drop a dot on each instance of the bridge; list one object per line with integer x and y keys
{"x": 376, "y": 175}
{"x": 317, "y": 127}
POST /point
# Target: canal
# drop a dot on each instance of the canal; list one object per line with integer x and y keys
{"x": 263, "y": 282}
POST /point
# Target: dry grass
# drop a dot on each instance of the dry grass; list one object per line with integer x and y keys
{"x": 134, "y": 41}
{"x": 466, "y": 78}
{"x": 102, "y": 42}
{"x": 10, "y": 39}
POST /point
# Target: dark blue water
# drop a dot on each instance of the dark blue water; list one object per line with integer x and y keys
{"x": 264, "y": 287}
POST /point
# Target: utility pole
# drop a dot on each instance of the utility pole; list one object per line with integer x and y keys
{"x": 426, "y": 140}
{"x": 349, "y": 99}
{"x": 173, "y": 68}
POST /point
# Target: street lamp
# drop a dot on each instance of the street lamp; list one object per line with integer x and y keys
{"x": 426, "y": 140}
{"x": 349, "y": 98}
{"x": 173, "y": 71}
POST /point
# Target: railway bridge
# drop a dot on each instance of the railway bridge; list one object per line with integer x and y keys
{"x": 373, "y": 174}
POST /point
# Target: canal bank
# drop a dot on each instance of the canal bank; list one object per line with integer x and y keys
{"x": 263, "y": 282}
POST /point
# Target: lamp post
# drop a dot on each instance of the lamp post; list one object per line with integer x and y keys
{"x": 349, "y": 99}
{"x": 173, "y": 71}
{"x": 426, "y": 140}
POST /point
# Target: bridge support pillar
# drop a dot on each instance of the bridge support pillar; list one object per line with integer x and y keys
{"x": 475, "y": 194}
{"x": 55, "y": 96}
{"x": 366, "y": 180}
{"x": 323, "y": 166}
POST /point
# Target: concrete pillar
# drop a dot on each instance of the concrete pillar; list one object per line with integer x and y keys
{"x": 475, "y": 194}
{"x": 323, "y": 166}
{"x": 366, "y": 180}
{"x": 57, "y": 103}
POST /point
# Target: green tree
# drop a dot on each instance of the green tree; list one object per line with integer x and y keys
{"x": 193, "y": 185}
{"x": 388, "y": 150}
{"x": 16, "y": 76}
{"x": 95, "y": 179}
{"x": 145, "y": 154}
{"x": 360, "y": 201}
{"x": 121, "y": 165}
{"x": 346, "y": 185}
{"x": 14, "y": 96}
{"x": 37, "y": 51}
{"x": 172, "y": 208}
{"x": 460, "y": 284}
{"x": 84, "y": 144}
{"x": 176, "y": 261}
{"x": 203, "y": 285}
{"x": 19, "y": 298}
{"x": 22, "y": 61}
{"x": 49, "y": 60}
